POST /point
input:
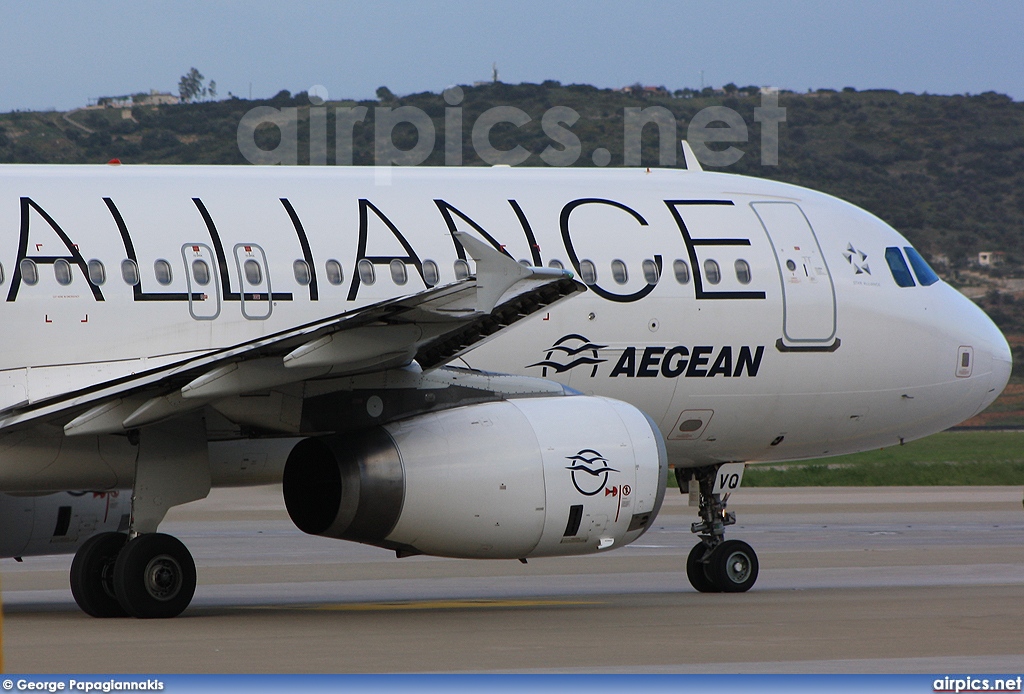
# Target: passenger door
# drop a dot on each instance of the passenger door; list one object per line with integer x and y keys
{"x": 808, "y": 295}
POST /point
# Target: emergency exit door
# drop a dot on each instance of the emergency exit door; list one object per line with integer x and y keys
{"x": 203, "y": 281}
{"x": 253, "y": 281}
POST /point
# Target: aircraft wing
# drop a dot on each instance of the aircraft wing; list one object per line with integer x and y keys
{"x": 431, "y": 327}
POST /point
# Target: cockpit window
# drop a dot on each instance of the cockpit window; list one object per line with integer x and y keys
{"x": 925, "y": 275}
{"x": 898, "y": 267}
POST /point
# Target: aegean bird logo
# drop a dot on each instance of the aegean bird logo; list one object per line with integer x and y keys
{"x": 589, "y": 471}
{"x": 568, "y": 353}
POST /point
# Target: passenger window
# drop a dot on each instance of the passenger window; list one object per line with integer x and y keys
{"x": 619, "y": 272}
{"x": 97, "y": 273}
{"x": 431, "y": 273}
{"x": 302, "y": 274}
{"x": 925, "y": 275}
{"x": 399, "y": 275}
{"x": 898, "y": 267}
{"x": 651, "y": 271}
{"x": 29, "y": 271}
{"x": 742, "y": 271}
{"x": 163, "y": 272}
{"x": 62, "y": 271}
{"x": 556, "y": 264}
{"x": 1, "y": 273}
{"x": 253, "y": 272}
{"x": 682, "y": 271}
{"x": 335, "y": 275}
{"x": 588, "y": 272}
{"x": 461, "y": 269}
{"x": 129, "y": 272}
{"x": 201, "y": 272}
{"x": 712, "y": 272}
{"x": 367, "y": 274}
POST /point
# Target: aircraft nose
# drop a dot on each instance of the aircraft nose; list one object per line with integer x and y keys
{"x": 992, "y": 357}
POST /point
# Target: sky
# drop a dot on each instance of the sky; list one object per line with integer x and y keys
{"x": 62, "y": 54}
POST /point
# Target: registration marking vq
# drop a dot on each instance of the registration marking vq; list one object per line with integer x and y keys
{"x": 729, "y": 478}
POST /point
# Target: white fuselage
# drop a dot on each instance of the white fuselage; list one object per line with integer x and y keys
{"x": 758, "y": 360}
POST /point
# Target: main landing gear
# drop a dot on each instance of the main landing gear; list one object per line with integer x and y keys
{"x": 150, "y": 576}
{"x": 716, "y": 565}
{"x": 145, "y": 573}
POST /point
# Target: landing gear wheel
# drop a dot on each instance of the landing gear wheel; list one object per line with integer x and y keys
{"x": 697, "y": 570}
{"x": 154, "y": 577}
{"x": 733, "y": 566}
{"x": 92, "y": 575}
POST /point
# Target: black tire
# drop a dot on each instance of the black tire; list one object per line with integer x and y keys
{"x": 697, "y": 571}
{"x": 155, "y": 577}
{"x": 733, "y": 566}
{"x": 92, "y": 575}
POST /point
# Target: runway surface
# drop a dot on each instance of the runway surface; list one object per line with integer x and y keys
{"x": 852, "y": 580}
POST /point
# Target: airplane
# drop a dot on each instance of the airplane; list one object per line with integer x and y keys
{"x": 479, "y": 363}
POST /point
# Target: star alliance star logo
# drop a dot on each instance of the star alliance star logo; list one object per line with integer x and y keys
{"x": 857, "y": 259}
{"x": 571, "y": 347}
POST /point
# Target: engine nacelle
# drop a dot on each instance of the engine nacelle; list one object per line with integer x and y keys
{"x": 59, "y": 523}
{"x": 513, "y": 479}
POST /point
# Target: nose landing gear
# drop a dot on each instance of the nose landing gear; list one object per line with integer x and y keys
{"x": 716, "y": 565}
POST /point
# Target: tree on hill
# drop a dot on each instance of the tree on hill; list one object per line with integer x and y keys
{"x": 191, "y": 87}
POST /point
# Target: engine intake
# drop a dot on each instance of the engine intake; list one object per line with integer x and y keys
{"x": 346, "y": 487}
{"x": 512, "y": 479}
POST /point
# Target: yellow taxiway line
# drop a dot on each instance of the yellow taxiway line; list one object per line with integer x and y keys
{"x": 435, "y": 605}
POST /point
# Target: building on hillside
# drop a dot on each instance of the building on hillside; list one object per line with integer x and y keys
{"x": 644, "y": 90}
{"x": 153, "y": 98}
{"x": 112, "y": 102}
{"x": 990, "y": 258}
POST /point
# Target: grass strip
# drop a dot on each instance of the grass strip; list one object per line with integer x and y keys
{"x": 948, "y": 458}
